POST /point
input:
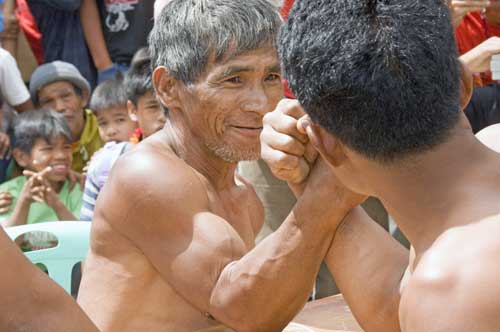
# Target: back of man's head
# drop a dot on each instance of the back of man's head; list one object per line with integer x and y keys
{"x": 381, "y": 76}
{"x": 189, "y": 33}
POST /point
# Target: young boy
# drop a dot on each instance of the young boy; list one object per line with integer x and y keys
{"x": 143, "y": 109}
{"x": 109, "y": 104}
{"x": 142, "y": 104}
{"x": 41, "y": 142}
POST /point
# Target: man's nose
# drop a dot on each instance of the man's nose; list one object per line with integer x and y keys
{"x": 257, "y": 100}
{"x": 59, "y": 106}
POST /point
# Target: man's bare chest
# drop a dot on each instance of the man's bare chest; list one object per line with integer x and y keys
{"x": 236, "y": 208}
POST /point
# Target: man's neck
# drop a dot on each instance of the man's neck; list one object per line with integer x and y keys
{"x": 195, "y": 153}
{"x": 439, "y": 190}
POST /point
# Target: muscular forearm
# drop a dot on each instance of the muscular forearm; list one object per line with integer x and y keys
{"x": 20, "y": 214}
{"x": 26, "y": 106}
{"x": 30, "y": 301}
{"x": 279, "y": 273}
{"x": 94, "y": 36}
{"x": 368, "y": 264}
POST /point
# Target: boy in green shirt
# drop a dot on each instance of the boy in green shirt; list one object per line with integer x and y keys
{"x": 41, "y": 142}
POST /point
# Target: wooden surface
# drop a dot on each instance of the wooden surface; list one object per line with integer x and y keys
{"x": 328, "y": 315}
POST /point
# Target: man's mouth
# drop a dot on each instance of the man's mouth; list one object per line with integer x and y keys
{"x": 248, "y": 127}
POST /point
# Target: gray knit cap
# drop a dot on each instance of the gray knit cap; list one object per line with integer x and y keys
{"x": 54, "y": 72}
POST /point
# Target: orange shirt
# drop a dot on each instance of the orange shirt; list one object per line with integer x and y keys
{"x": 472, "y": 31}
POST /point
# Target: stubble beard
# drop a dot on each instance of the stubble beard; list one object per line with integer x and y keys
{"x": 232, "y": 154}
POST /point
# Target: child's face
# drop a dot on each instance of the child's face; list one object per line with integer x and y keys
{"x": 115, "y": 124}
{"x": 149, "y": 114}
{"x": 56, "y": 153}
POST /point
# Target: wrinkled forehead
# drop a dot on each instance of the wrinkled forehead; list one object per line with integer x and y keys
{"x": 262, "y": 59}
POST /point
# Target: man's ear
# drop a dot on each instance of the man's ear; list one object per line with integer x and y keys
{"x": 22, "y": 158}
{"x": 328, "y": 146}
{"x": 466, "y": 85}
{"x": 166, "y": 87}
{"x": 132, "y": 111}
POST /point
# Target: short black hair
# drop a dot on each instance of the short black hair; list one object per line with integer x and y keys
{"x": 380, "y": 75}
{"x": 110, "y": 93}
{"x": 138, "y": 80}
{"x": 35, "y": 124}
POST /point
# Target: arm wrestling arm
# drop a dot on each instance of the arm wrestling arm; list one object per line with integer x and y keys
{"x": 30, "y": 301}
{"x": 368, "y": 265}
{"x": 203, "y": 258}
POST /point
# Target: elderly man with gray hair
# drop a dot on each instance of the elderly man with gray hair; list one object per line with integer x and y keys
{"x": 172, "y": 244}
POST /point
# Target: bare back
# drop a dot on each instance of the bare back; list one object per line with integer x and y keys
{"x": 160, "y": 238}
{"x": 454, "y": 286}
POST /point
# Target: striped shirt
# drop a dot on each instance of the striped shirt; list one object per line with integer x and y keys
{"x": 97, "y": 175}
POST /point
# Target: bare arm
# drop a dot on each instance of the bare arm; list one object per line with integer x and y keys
{"x": 366, "y": 262}
{"x": 23, "y": 107}
{"x": 368, "y": 265}
{"x": 89, "y": 16}
{"x": 21, "y": 210}
{"x": 202, "y": 256}
{"x": 30, "y": 301}
{"x": 32, "y": 191}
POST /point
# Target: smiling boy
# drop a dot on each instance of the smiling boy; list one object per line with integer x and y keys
{"x": 41, "y": 143}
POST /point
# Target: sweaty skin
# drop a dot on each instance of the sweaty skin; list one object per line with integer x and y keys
{"x": 446, "y": 203}
{"x": 172, "y": 245}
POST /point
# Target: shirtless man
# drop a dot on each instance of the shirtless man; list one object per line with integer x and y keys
{"x": 172, "y": 244}
{"x": 382, "y": 94}
{"x": 30, "y": 301}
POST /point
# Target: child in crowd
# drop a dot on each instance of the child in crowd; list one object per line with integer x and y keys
{"x": 142, "y": 104}
{"x": 109, "y": 104}
{"x": 41, "y": 142}
{"x": 144, "y": 109}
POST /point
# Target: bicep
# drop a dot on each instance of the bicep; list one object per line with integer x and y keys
{"x": 186, "y": 243}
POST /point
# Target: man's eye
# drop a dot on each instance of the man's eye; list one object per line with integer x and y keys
{"x": 234, "y": 80}
{"x": 273, "y": 77}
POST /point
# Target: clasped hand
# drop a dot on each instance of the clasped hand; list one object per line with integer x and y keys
{"x": 38, "y": 188}
{"x": 289, "y": 147}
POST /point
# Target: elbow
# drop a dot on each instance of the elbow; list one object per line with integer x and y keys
{"x": 244, "y": 309}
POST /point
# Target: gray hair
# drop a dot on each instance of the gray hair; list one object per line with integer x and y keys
{"x": 188, "y": 32}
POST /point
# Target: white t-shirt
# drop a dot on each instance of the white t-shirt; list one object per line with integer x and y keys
{"x": 13, "y": 91}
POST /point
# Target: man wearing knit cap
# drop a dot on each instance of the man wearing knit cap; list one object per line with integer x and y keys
{"x": 60, "y": 86}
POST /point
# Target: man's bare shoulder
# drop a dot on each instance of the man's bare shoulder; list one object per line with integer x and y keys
{"x": 455, "y": 284}
{"x": 151, "y": 182}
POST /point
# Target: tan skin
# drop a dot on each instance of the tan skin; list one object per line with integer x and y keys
{"x": 174, "y": 250}
{"x": 147, "y": 113}
{"x": 61, "y": 97}
{"x": 115, "y": 124}
{"x": 47, "y": 167}
{"x": 30, "y": 301}
{"x": 446, "y": 205}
